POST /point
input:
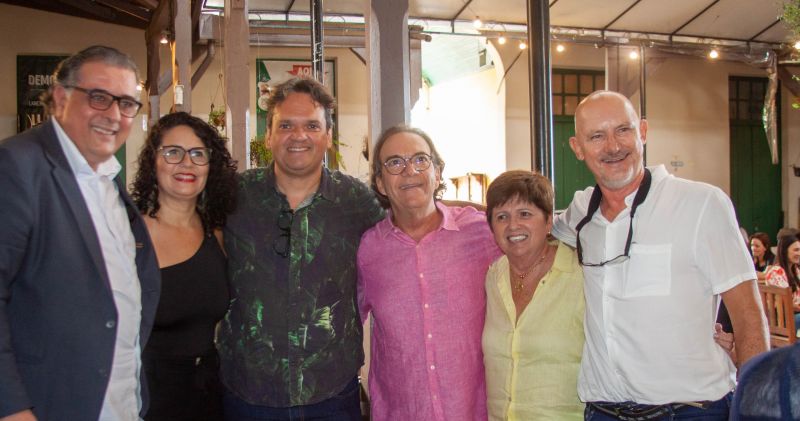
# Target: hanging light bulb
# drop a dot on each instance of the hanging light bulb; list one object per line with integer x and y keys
{"x": 164, "y": 37}
{"x": 477, "y": 22}
{"x": 501, "y": 40}
{"x": 713, "y": 54}
{"x": 633, "y": 55}
{"x": 560, "y": 48}
{"x": 522, "y": 45}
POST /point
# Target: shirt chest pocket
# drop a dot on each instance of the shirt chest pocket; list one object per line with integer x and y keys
{"x": 648, "y": 271}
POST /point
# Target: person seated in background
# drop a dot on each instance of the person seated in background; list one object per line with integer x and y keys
{"x": 533, "y": 336}
{"x": 185, "y": 189}
{"x": 420, "y": 274}
{"x": 761, "y": 248}
{"x": 769, "y": 387}
{"x": 785, "y": 273}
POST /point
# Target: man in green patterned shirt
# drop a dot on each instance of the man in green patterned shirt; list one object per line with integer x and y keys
{"x": 290, "y": 347}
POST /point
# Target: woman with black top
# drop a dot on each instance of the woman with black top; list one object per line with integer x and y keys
{"x": 760, "y": 247}
{"x": 185, "y": 189}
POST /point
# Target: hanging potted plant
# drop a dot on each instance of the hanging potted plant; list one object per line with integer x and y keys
{"x": 216, "y": 118}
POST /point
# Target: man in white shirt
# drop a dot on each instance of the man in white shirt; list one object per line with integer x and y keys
{"x": 657, "y": 253}
{"x": 79, "y": 281}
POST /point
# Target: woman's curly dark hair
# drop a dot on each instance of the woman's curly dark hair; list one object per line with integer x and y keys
{"x": 217, "y": 200}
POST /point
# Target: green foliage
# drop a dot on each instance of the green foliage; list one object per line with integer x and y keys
{"x": 260, "y": 155}
{"x": 791, "y": 15}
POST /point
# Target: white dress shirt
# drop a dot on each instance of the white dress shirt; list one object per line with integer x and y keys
{"x": 650, "y": 320}
{"x": 122, "y": 401}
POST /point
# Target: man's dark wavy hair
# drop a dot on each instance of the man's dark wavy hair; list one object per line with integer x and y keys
{"x": 217, "y": 200}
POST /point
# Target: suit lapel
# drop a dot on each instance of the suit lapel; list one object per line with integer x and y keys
{"x": 64, "y": 178}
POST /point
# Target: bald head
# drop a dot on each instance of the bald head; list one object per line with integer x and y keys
{"x": 606, "y": 98}
{"x": 610, "y": 137}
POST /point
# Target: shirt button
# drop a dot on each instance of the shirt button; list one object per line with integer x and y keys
{"x": 433, "y": 367}
{"x": 434, "y": 397}
{"x": 110, "y": 324}
{"x": 421, "y": 276}
{"x": 426, "y": 305}
{"x": 430, "y": 336}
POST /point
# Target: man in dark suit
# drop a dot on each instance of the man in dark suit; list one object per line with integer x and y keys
{"x": 79, "y": 280}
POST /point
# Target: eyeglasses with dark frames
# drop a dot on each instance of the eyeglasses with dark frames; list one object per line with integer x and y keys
{"x": 283, "y": 244}
{"x": 102, "y": 100}
{"x": 594, "y": 204}
{"x": 397, "y": 164}
{"x": 173, "y": 154}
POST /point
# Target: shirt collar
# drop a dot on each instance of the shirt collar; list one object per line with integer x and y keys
{"x": 658, "y": 174}
{"x": 77, "y": 162}
{"x": 449, "y": 223}
{"x": 325, "y": 189}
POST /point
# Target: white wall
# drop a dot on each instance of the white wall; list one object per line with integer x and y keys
{"x": 463, "y": 116}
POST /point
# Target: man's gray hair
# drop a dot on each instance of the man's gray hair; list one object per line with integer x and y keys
{"x": 68, "y": 71}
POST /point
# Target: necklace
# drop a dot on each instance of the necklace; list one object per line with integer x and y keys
{"x": 519, "y": 283}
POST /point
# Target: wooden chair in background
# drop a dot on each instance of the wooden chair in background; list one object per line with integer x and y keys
{"x": 780, "y": 314}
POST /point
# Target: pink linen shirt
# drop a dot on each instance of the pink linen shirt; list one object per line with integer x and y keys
{"x": 428, "y": 305}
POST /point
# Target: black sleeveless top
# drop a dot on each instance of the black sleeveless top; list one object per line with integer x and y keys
{"x": 194, "y": 297}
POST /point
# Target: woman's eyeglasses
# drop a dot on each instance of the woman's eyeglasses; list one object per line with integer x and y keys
{"x": 173, "y": 154}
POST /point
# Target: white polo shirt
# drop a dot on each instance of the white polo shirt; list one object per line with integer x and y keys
{"x": 650, "y": 320}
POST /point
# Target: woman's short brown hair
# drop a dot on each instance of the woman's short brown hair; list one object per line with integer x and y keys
{"x": 524, "y": 185}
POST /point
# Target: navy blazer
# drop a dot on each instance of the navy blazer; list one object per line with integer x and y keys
{"x": 57, "y": 314}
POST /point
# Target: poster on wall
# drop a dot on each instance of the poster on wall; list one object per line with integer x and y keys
{"x": 34, "y": 76}
{"x": 271, "y": 72}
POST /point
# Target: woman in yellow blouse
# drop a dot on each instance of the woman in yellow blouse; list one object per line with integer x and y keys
{"x": 533, "y": 335}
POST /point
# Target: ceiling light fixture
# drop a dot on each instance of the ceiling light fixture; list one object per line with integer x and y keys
{"x": 501, "y": 40}
{"x": 560, "y": 48}
{"x": 633, "y": 55}
{"x": 522, "y": 45}
{"x": 164, "y": 37}
{"x": 477, "y": 22}
{"x": 713, "y": 54}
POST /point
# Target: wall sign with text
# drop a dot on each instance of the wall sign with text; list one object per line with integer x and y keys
{"x": 34, "y": 77}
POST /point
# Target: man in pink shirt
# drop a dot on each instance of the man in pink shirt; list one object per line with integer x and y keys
{"x": 421, "y": 274}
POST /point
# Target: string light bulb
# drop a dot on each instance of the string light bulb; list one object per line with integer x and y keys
{"x": 713, "y": 54}
{"x": 560, "y": 48}
{"x": 164, "y": 37}
{"x": 633, "y": 55}
{"x": 522, "y": 45}
{"x": 477, "y": 22}
{"x": 501, "y": 40}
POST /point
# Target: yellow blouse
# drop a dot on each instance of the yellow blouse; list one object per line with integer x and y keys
{"x": 532, "y": 368}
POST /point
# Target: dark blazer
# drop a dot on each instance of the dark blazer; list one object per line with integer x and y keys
{"x": 57, "y": 314}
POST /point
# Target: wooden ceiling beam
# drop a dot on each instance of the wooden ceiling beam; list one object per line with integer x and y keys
{"x": 127, "y": 8}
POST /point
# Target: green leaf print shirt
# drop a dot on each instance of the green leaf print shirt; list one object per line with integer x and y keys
{"x": 293, "y": 336}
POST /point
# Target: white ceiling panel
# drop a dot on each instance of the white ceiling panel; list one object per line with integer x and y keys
{"x": 739, "y": 19}
{"x": 587, "y": 13}
{"x": 733, "y": 19}
{"x": 658, "y": 16}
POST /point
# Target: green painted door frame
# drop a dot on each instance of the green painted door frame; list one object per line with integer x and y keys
{"x": 755, "y": 181}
